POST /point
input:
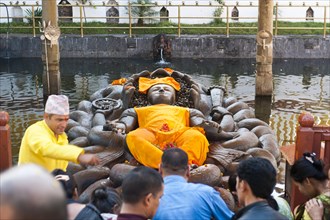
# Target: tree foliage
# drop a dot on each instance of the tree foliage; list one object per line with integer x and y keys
{"x": 37, "y": 15}
{"x": 218, "y": 12}
{"x": 141, "y": 10}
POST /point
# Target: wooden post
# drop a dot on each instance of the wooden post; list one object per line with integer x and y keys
{"x": 326, "y": 153}
{"x": 50, "y": 51}
{"x": 305, "y": 135}
{"x": 5, "y": 142}
{"x": 304, "y": 143}
{"x": 264, "y": 75}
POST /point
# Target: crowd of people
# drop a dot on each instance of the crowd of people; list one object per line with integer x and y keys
{"x": 40, "y": 188}
{"x": 31, "y": 192}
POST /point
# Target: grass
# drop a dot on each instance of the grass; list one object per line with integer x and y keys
{"x": 219, "y": 28}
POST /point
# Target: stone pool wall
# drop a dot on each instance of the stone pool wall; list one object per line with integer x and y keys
{"x": 186, "y": 46}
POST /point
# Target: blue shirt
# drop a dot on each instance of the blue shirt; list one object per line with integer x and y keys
{"x": 182, "y": 200}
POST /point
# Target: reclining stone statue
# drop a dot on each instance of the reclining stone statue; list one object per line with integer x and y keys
{"x": 139, "y": 117}
{"x": 161, "y": 125}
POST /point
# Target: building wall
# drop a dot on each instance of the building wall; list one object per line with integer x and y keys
{"x": 187, "y": 46}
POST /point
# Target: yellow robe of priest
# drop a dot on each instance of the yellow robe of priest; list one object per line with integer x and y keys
{"x": 40, "y": 146}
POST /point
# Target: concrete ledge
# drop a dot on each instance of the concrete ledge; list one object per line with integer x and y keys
{"x": 187, "y": 46}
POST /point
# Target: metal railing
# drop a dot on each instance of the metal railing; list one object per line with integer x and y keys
{"x": 177, "y": 20}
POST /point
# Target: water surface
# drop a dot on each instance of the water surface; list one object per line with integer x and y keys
{"x": 299, "y": 85}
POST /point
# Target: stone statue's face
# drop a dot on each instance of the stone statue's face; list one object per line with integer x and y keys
{"x": 161, "y": 94}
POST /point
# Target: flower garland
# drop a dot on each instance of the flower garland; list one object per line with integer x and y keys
{"x": 164, "y": 146}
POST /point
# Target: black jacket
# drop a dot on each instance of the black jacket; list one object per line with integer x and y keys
{"x": 258, "y": 211}
{"x": 90, "y": 212}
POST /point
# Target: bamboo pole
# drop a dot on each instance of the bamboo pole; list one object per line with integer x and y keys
{"x": 50, "y": 52}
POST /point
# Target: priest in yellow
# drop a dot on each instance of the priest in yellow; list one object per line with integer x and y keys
{"x": 45, "y": 142}
{"x": 161, "y": 125}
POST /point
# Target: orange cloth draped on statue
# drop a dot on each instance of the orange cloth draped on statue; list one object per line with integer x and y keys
{"x": 146, "y": 83}
{"x": 164, "y": 126}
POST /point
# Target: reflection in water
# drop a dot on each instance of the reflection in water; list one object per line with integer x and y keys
{"x": 299, "y": 85}
{"x": 306, "y": 80}
{"x": 262, "y": 107}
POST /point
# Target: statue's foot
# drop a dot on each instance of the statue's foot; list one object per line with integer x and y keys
{"x": 130, "y": 160}
{"x": 134, "y": 162}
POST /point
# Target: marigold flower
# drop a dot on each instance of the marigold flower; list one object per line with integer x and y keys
{"x": 165, "y": 128}
{"x": 120, "y": 81}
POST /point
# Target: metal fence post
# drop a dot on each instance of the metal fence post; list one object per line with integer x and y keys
{"x": 81, "y": 22}
{"x": 179, "y": 19}
{"x": 276, "y": 18}
{"x": 227, "y": 20}
{"x": 130, "y": 18}
{"x": 325, "y": 22}
{"x": 33, "y": 22}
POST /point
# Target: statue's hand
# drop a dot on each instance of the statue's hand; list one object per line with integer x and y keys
{"x": 200, "y": 99}
{"x": 136, "y": 76}
{"x": 112, "y": 91}
{"x": 118, "y": 128}
{"x": 177, "y": 74}
{"x": 127, "y": 94}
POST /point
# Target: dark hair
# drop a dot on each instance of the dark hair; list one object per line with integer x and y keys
{"x": 50, "y": 115}
{"x": 232, "y": 183}
{"x": 140, "y": 182}
{"x": 232, "y": 187}
{"x": 67, "y": 185}
{"x": 174, "y": 160}
{"x": 105, "y": 198}
{"x": 260, "y": 174}
{"x": 308, "y": 167}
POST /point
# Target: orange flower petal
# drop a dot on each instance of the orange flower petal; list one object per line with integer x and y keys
{"x": 169, "y": 70}
{"x": 120, "y": 81}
